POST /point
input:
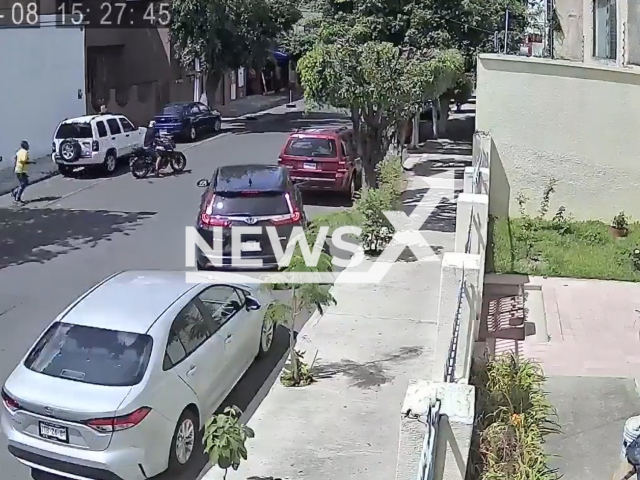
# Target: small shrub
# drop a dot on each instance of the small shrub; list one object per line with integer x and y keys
{"x": 513, "y": 419}
{"x": 620, "y": 221}
{"x": 224, "y": 439}
{"x": 549, "y": 189}
{"x": 377, "y": 231}
{"x": 305, "y": 374}
{"x": 560, "y": 222}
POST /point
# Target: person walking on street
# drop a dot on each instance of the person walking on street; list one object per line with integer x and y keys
{"x": 22, "y": 160}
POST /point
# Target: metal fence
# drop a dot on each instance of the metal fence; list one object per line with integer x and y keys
{"x": 427, "y": 456}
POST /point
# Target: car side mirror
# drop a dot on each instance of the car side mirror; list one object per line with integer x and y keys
{"x": 252, "y": 304}
{"x": 203, "y": 183}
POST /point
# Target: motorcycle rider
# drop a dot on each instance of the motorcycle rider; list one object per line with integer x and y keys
{"x": 150, "y": 138}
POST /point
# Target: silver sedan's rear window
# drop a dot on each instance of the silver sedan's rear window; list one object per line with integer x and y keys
{"x": 91, "y": 355}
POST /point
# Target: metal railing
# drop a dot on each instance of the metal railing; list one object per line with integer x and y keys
{"x": 428, "y": 454}
{"x": 450, "y": 365}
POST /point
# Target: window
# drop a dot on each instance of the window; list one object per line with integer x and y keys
{"x": 74, "y": 130}
{"x": 102, "y": 130}
{"x": 311, "y": 147}
{"x": 194, "y": 110}
{"x": 114, "y": 126}
{"x": 221, "y": 302}
{"x": 344, "y": 149}
{"x": 203, "y": 108}
{"x": 126, "y": 125}
{"x": 188, "y": 332}
{"x": 91, "y": 355}
{"x": 605, "y": 27}
{"x": 259, "y": 205}
{"x": 173, "y": 110}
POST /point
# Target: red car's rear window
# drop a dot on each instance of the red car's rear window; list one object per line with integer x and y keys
{"x": 311, "y": 147}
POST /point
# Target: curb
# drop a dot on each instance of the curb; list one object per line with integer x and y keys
{"x": 46, "y": 176}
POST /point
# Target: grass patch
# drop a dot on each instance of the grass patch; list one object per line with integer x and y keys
{"x": 513, "y": 418}
{"x": 562, "y": 246}
{"x": 579, "y": 249}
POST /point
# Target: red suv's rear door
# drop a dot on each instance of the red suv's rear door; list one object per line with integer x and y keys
{"x": 311, "y": 156}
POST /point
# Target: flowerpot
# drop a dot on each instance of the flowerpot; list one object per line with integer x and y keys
{"x": 618, "y": 232}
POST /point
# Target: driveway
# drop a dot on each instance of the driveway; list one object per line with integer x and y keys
{"x": 74, "y": 232}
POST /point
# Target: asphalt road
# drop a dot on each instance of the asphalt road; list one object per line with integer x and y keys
{"x": 74, "y": 232}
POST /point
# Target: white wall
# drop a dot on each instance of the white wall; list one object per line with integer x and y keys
{"x": 41, "y": 71}
{"x": 575, "y": 122}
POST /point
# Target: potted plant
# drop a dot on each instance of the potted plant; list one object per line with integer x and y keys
{"x": 620, "y": 225}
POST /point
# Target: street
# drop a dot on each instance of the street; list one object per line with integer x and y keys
{"x": 74, "y": 232}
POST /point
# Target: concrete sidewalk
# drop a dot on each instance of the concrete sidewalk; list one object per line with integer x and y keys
{"x": 369, "y": 346}
{"x": 42, "y": 169}
{"x": 591, "y": 357}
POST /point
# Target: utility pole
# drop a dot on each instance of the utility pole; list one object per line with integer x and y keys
{"x": 551, "y": 20}
{"x": 196, "y": 81}
{"x": 506, "y": 30}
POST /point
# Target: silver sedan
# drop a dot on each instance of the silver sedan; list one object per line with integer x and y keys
{"x": 130, "y": 370}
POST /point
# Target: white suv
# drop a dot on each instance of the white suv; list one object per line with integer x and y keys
{"x": 94, "y": 140}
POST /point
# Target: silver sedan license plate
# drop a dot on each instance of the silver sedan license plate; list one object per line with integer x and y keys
{"x": 53, "y": 432}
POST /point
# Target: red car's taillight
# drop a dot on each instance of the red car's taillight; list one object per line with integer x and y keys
{"x": 115, "y": 424}
{"x": 293, "y": 217}
{"x": 9, "y": 402}
{"x": 214, "y": 221}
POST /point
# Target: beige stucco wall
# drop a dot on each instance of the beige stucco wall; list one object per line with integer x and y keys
{"x": 574, "y": 122}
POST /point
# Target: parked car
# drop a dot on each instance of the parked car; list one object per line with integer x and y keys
{"x": 323, "y": 159}
{"x": 118, "y": 386}
{"x": 248, "y": 195}
{"x": 94, "y": 140}
{"x": 188, "y": 120}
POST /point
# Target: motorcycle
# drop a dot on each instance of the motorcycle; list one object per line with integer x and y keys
{"x": 142, "y": 162}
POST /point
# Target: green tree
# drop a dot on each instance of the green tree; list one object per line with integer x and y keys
{"x": 302, "y": 297}
{"x": 383, "y": 85}
{"x": 224, "y": 439}
{"x": 228, "y": 34}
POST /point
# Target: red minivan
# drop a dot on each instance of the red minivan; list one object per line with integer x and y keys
{"x": 323, "y": 158}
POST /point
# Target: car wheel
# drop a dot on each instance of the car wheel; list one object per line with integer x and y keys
{"x": 110, "y": 163}
{"x": 217, "y": 125}
{"x": 65, "y": 170}
{"x": 184, "y": 442}
{"x": 266, "y": 337}
{"x": 193, "y": 133}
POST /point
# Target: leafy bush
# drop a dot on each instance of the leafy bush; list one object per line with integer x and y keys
{"x": 224, "y": 439}
{"x": 513, "y": 419}
{"x": 463, "y": 89}
{"x": 377, "y": 231}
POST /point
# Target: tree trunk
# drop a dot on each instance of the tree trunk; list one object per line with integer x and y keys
{"x": 295, "y": 365}
{"x": 211, "y": 87}
{"x": 373, "y": 153}
{"x": 435, "y": 112}
{"x": 445, "y": 101}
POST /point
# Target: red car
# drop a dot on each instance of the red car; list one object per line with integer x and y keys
{"x": 323, "y": 158}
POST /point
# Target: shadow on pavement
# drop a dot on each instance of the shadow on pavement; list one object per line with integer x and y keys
{"x": 289, "y": 121}
{"x": 249, "y": 392}
{"x": 39, "y": 235}
{"x": 443, "y": 216}
{"x": 325, "y": 199}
